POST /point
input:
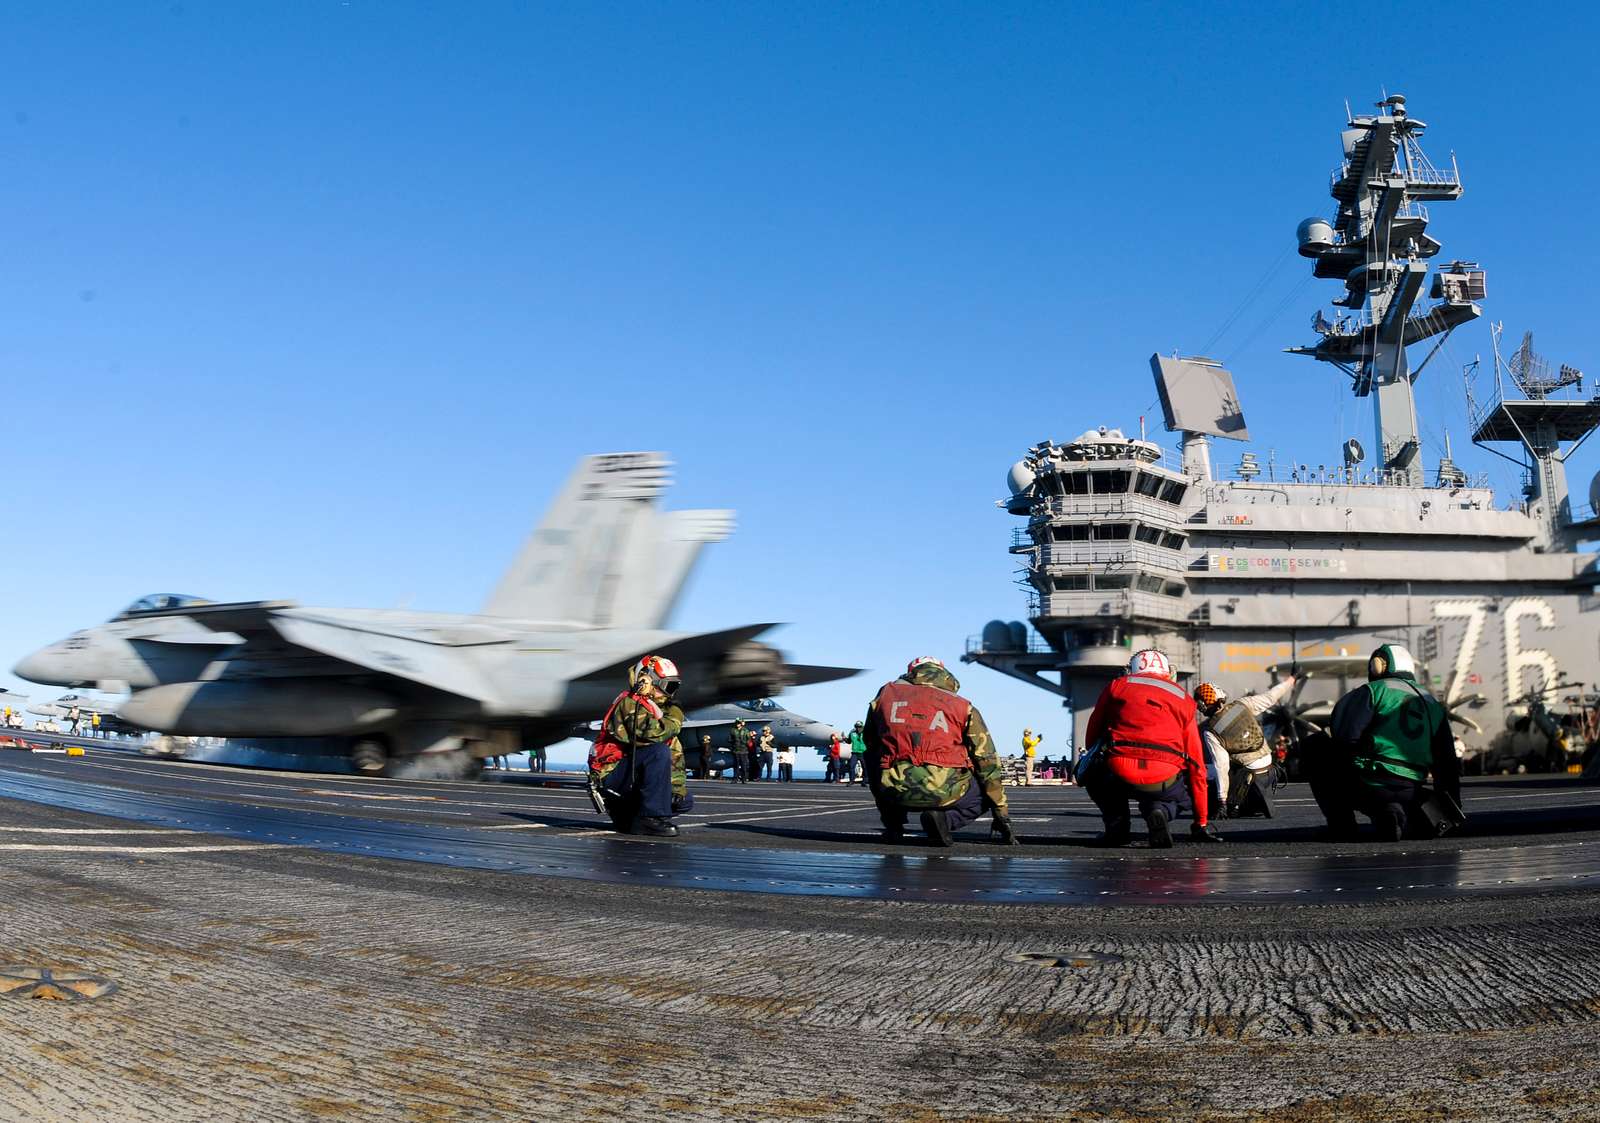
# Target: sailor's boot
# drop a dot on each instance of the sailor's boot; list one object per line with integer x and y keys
{"x": 936, "y": 825}
{"x": 1160, "y": 832}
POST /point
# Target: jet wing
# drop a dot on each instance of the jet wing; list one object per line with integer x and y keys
{"x": 417, "y": 654}
{"x": 683, "y": 649}
{"x": 279, "y": 634}
{"x": 803, "y": 674}
{"x": 1323, "y": 666}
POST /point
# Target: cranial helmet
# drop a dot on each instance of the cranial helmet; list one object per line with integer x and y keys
{"x": 1150, "y": 662}
{"x": 922, "y": 660}
{"x": 1207, "y": 695}
{"x": 1391, "y": 659}
{"x": 660, "y": 672}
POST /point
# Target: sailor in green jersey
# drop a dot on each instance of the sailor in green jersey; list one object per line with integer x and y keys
{"x": 1389, "y": 736}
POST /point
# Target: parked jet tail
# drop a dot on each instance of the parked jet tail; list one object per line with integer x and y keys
{"x": 604, "y": 555}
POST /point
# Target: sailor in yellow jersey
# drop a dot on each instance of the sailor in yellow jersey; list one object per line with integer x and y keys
{"x": 1030, "y": 745}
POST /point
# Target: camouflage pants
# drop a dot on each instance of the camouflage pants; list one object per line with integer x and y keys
{"x": 893, "y": 814}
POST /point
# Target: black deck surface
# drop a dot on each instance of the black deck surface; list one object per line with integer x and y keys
{"x": 1527, "y": 834}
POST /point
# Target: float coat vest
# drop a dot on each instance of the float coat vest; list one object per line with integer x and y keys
{"x": 606, "y": 748}
{"x": 1400, "y": 739}
{"x": 923, "y": 725}
{"x": 1239, "y": 731}
{"x": 1147, "y": 719}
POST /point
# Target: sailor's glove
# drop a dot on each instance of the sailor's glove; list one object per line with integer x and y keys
{"x": 1199, "y": 833}
{"x": 1001, "y": 832}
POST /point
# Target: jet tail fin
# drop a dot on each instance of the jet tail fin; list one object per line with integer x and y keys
{"x": 604, "y": 555}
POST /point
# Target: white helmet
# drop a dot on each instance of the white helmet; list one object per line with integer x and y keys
{"x": 1150, "y": 662}
{"x": 659, "y": 671}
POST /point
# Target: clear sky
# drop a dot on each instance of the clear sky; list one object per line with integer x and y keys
{"x": 321, "y": 300}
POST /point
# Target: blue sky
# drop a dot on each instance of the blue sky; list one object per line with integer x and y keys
{"x": 322, "y": 300}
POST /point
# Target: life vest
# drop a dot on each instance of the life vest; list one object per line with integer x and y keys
{"x": 922, "y": 725}
{"x": 1239, "y": 731}
{"x": 1400, "y": 739}
{"x": 607, "y": 750}
{"x": 1148, "y": 720}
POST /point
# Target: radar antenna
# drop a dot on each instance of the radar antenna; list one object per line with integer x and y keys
{"x": 1532, "y": 374}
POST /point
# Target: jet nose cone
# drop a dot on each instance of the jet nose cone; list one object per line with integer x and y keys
{"x": 35, "y": 667}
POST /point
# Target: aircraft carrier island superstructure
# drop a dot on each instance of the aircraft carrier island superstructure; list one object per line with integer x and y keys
{"x": 1246, "y": 573}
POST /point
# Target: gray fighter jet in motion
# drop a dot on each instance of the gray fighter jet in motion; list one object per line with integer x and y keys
{"x": 585, "y": 599}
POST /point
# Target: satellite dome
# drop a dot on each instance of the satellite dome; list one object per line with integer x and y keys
{"x": 1315, "y": 236}
{"x": 997, "y": 636}
{"x": 1020, "y": 478}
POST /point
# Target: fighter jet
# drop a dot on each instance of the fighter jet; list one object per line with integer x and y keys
{"x": 788, "y": 727}
{"x": 585, "y": 599}
{"x": 75, "y": 711}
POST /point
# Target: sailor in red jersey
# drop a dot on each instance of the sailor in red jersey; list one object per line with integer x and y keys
{"x": 1149, "y": 750}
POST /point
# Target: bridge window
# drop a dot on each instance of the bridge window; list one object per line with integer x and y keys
{"x": 1150, "y": 534}
{"x": 1074, "y": 483}
{"x": 1173, "y": 492}
{"x": 1110, "y": 482}
{"x": 1148, "y": 484}
{"x": 1071, "y": 583}
{"x": 1173, "y": 589}
{"x": 1112, "y": 532}
{"x": 1113, "y": 580}
{"x": 1172, "y": 541}
{"x": 1078, "y": 532}
{"x": 1149, "y": 583}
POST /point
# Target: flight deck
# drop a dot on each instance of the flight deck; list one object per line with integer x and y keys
{"x": 336, "y": 947}
{"x": 1526, "y": 834}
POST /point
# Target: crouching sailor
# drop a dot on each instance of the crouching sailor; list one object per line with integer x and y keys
{"x": 1388, "y": 735}
{"x": 636, "y": 767}
{"x": 1144, "y": 744}
{"x": 928, "y": 750}
{"x": 1237, "y": 748}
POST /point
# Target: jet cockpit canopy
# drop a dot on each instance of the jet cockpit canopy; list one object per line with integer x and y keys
{"x": 760, "y": 706}
{"x": 160, "y": 602}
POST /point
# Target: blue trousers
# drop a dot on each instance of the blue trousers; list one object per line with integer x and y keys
{"x": 1111, "y": 795}
{"x": 653, "y": 793}
{"x": 958, "y": 814}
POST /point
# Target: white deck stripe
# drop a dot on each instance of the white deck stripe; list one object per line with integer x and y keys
{"x": 94, "y": 830}
{"x": 202, "y": 849}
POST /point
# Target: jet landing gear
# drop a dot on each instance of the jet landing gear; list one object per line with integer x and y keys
{"x": 369, "y": 757}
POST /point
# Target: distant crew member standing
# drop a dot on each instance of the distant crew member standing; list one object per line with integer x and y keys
{"x": 928, "y": 750}
{"x": 786, "y": 762}
{"x": 636, "y": 761}
{"x": 858, "y": 753}
{"x": 1147, "y": 748}
{"x": 737, "y": 739}
{"x": 769, "y": 749}
{"x": 1388, "y": 735}
{"x": 706, "y": 755}
{"x": 1030, "y": 745}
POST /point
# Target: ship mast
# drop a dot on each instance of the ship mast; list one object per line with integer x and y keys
{"x": 1378, "y": 246}
{"x": 1546, "y": 409}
